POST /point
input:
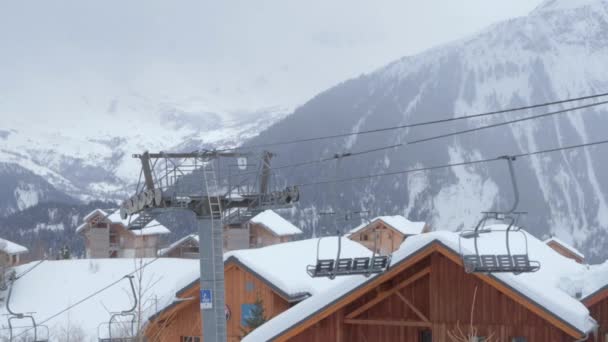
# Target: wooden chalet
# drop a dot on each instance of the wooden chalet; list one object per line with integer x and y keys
{"x": 275, "y": 274}
{"x": 427, "y": 296}
{"x": 386, "y": 233}
{"x": 184, "y": 248}
{"x": 265, "y": 229}
{"x": 10, "y": 253}
{"x": 106, "y": 236}
{"x": 565, "y": 249}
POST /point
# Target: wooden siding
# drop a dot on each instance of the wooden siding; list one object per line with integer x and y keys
{"x": 260, "y": 236}
{"x": 242, "y": 287}
{"x": 444, "y": 297}
{"x": 598, "y": 307}
{"x": 389, "y": 239}
{"x": 565, "y": 251}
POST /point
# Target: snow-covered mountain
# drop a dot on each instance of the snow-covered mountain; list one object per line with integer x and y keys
{"x": 84, "y": 148}
{"x": 557, "y": 51}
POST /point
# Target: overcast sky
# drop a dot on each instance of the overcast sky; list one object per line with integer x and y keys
{"x": 231, "y": 54}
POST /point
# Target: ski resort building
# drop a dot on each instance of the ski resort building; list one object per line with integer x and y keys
{"x": 10, "y": 253}
{"x": 426, "y": 295}
{"x": 565, "y": 249}
{"x": 185, "y": 248}
{"x": 265, "y": 229}
{"x": 386, "y": 233}
{"x": 106, "y": 236}
{"x": 276, "y": 275}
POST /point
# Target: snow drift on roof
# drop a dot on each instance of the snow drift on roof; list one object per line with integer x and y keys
{"x": 275, "y": 223}
{"x": 152, "y": 228}
{"x": 54, "y": 285}
{"x": 541, "y": 287}
{"x": 10, "y": 247}
{"x": 567, "y": 246}
{"x": 398, "y": 222}
{"x": 164, "y": 251}
{"x": 284, "y": 264}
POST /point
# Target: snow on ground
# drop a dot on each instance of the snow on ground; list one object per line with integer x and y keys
{"x": 54, "y": 285}
{"x": 284, "y": 265}
{"x": 277, "y": 224}
{"x": 400, "y": 223}
{"x": 541, "y": 287}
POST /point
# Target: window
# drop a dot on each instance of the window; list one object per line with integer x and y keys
{"x": 246, "y": 312}
{"x": 364, "y": 237}
{"x": 519, "y": 339}
{"x": 249, "y": 287}
{"x": 478, "y": 339}
{"x": 190, "y": 339}
{"x": 425, "y": 336}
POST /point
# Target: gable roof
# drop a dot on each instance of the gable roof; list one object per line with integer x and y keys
{"x": 152, "y": 228}
{"x": 191, "y": 237}
{"x": 540, "y": 289}
{"x": 275, "y": 223}
{"x": 283, "y": 266}
{"x": 397, "y": 222}
{"x": 591, "y": 283}
{"x": 10, "y": 247}
{"x": 566, "y": 246}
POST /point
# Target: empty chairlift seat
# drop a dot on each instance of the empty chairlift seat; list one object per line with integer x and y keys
{"x": 489, "y": 263}
{"x": 348, "y": 266}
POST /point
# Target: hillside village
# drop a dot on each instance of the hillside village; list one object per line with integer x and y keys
{"x": 304, "y": 172}
{"x": 425, "y": 293}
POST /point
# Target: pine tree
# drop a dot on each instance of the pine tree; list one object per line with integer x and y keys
{"x": 256, "y": 318}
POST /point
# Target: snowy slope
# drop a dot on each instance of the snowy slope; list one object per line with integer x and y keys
{"x": 54, "y": 285}
{"x": 557, "y": 51}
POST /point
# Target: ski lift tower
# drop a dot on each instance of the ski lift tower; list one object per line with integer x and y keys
{"x": 189, "y": 182}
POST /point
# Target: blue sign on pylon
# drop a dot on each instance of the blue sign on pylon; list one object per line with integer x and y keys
{"x": 206, "y": 299}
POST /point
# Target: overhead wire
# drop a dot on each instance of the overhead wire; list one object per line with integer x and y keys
{"x": 88, "y": 297}
{"x": 444, "y": 166}
{"x": 424, "y": 123}
{"x": 435, "y": 137}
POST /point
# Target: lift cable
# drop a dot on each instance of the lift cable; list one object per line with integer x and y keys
{"x": 471, "y": 162}
{"x": 419, "y": 124}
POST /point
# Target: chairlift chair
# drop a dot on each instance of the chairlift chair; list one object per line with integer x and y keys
{"x": 332, "y": 268}
{"x": 36, "y": 328}
{"x": 499, "y": 263}
{"x": 130, "y": 313}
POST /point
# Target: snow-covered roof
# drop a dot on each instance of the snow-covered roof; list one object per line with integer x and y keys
{"x": 45, "y": 293}
{"x": 152, "y": 228}
{"x": 164, "y": 251}
{"x": 275, "y": 223}
{"x": 398, "y": 222}
{"x": 567, "y": 246}
{"x": 10, "y": 247}
{"x": 541, "y": 288}
{"x": 283, "y": 265}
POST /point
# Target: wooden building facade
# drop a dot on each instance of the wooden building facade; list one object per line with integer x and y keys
{"x": 106, "y": 236}
{"x": 384, "y": 236}
{"x": 597, "y": 303}
{"x": 428, "y": 297}
{"x": 243, "y": 288}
